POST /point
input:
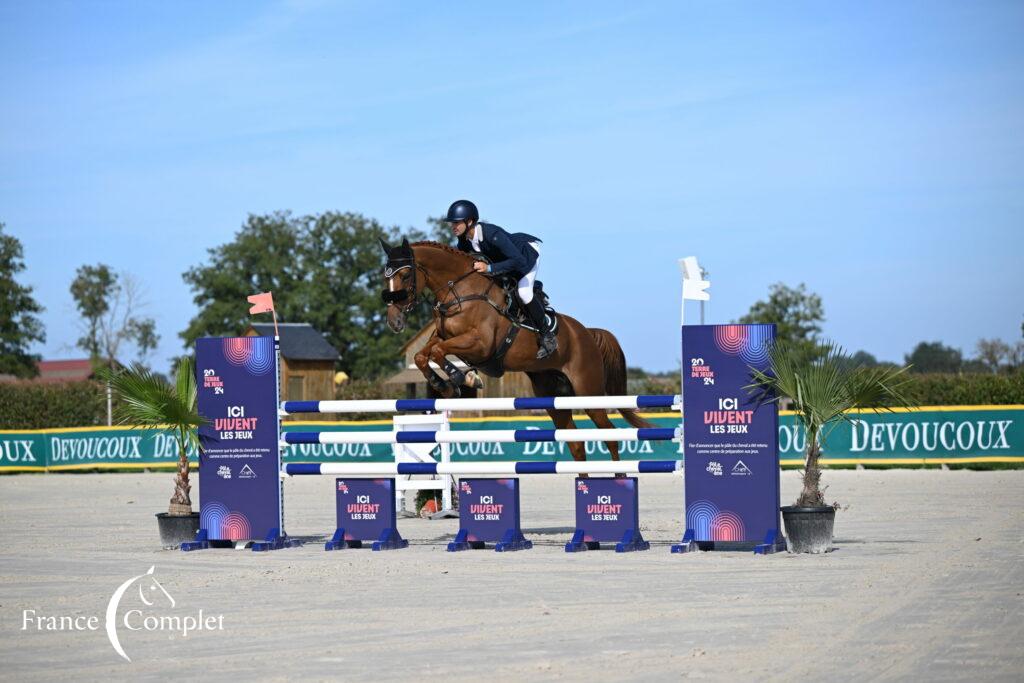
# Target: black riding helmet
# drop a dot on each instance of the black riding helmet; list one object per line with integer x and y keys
{"x": 462, "y": 210}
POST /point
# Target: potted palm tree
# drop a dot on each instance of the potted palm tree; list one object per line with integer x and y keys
{"x": 823, "y": 384}
{"x": 148, "y": 400}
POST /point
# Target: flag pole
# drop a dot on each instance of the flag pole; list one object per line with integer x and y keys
{"x": 263, "y": 303}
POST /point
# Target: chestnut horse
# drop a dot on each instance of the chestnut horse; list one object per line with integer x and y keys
{"x": 469, "y": 323}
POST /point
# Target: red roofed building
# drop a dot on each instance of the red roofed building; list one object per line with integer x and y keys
{"x": 64, "y": 370}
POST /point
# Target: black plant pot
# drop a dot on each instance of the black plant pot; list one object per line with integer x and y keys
{"x": 809, "y": 529}
{"x": 177, "y": 529}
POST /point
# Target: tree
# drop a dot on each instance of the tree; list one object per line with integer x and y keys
{"x": 19, "y": 326}
{"x": 265, "y": 256}
{"x": 441, "y": 231}
{"x": 934, "y": 357}
{"x": 91, "y": 289}
{"x": 1016, "y": 356}
{"x": 994, "y": 353}
{"x": 149, "y": 400}
{"x": 797, "y": 314}
{"x": 324, "y": 270}
{"x": 109, "y": 304}
{"x": 863, "y": 358}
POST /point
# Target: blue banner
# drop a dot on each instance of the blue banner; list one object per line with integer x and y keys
{"x": 607, "y": 507}
{"x": 730, "y": 438}
{"x": 488, "y": 508}
{"x": 365, "y": 508}
{"x": 239, "y": 483}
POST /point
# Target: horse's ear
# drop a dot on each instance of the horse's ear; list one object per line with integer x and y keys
{"x": 384, "y": 246}
{"x": 405, "y": 243}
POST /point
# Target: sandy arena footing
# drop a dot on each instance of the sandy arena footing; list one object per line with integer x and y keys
{"x": 926, "y": 581}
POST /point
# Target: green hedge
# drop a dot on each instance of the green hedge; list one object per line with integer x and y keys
{"x": 966, "y": 389}
{"x": 31, "y": 405}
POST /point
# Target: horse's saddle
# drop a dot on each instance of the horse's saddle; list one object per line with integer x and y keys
{"x": 514, "y": 310}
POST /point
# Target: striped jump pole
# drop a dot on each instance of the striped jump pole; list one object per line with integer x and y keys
{"x": 483, "y": 404}
{"x": 485, "y": 436}
{"x": 390, "y": 469}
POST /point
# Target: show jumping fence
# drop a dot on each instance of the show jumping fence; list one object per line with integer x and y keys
{"x": 607, "y": 509}
{"x": 483, "y": 404}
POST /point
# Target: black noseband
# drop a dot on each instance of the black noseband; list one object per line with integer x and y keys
{"x": 394, "y": 297}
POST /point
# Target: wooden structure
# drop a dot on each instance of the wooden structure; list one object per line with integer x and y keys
{"x": 307, "y": 360}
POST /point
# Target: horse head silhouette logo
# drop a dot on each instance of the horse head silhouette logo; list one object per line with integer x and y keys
{"x": 150, "y": 590}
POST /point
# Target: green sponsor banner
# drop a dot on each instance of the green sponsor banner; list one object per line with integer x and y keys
{"x": 23, "y": 451}
{"x": 88, "y": 448}
{"x": 928, "y": 436}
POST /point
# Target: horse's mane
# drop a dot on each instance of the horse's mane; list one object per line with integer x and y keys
{"x": 442, "y": 247}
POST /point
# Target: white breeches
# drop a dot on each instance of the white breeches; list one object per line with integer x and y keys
{"x": 525, "y": 284}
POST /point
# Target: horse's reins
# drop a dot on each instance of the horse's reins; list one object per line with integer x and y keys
{"x": 445, "y": 303}
{"x": 443, "y": 306}
{"x": 448, "y": 301}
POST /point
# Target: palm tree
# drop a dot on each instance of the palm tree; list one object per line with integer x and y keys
{"x": 149, "y": 400}
{"x": 824, "y": 385}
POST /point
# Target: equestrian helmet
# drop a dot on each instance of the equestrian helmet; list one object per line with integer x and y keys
{"x": 462, "y": 210}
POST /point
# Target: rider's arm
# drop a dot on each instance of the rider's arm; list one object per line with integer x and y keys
{"x": 514, "y": 259}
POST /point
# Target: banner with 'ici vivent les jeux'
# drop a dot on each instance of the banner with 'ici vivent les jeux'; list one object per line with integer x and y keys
{"x": 240, "y": 461}
{"x": 730, "y": 436}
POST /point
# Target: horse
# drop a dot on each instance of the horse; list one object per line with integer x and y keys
{"x": 470, "y": 323}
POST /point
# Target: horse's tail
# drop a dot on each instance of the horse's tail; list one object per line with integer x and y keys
{"x": 615, "y": 372}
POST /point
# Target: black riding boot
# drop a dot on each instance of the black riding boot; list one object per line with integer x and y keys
{"x": 547, "y": 342}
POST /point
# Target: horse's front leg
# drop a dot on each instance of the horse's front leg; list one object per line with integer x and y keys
{"x": 463, "y": 346}
{"x": 422, "y": 361}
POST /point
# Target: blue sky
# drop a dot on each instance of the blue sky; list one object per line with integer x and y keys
{"x": 873, "y": 151}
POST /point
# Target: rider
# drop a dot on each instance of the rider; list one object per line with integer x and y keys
{"x": 514, "y": 254}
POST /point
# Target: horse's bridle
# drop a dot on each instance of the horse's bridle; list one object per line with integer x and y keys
{"x": 405, "y": 298}
{"x": 406, "y": 294}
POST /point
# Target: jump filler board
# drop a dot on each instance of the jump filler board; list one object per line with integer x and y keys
{"x": 366, "y": 512}
{"x": 607, "y": 510}
{"x": 489, "y": 513}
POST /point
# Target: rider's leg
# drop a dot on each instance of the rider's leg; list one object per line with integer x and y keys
{"x": 547, "y": 343}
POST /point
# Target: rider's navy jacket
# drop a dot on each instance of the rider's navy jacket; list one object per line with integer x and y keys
{"x": 507, "y": 252}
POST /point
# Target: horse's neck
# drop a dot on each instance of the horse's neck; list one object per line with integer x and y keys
{"x": 441, "y": 266}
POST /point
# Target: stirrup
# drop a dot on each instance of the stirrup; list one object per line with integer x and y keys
{"x": 547, "y": 344}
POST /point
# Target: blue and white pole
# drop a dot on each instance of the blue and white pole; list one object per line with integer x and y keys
{"x": 391, "y": 469}
{"x": 482, "y": 404}
{"x": 485, "y": 436}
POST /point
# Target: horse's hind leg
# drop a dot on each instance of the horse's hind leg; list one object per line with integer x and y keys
{"x": 563, "y": 420}
{"x": 600, "y": 418}
{"x": 551, "y": 384}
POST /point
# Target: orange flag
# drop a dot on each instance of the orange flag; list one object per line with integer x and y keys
{"x": 261, "y": 303}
